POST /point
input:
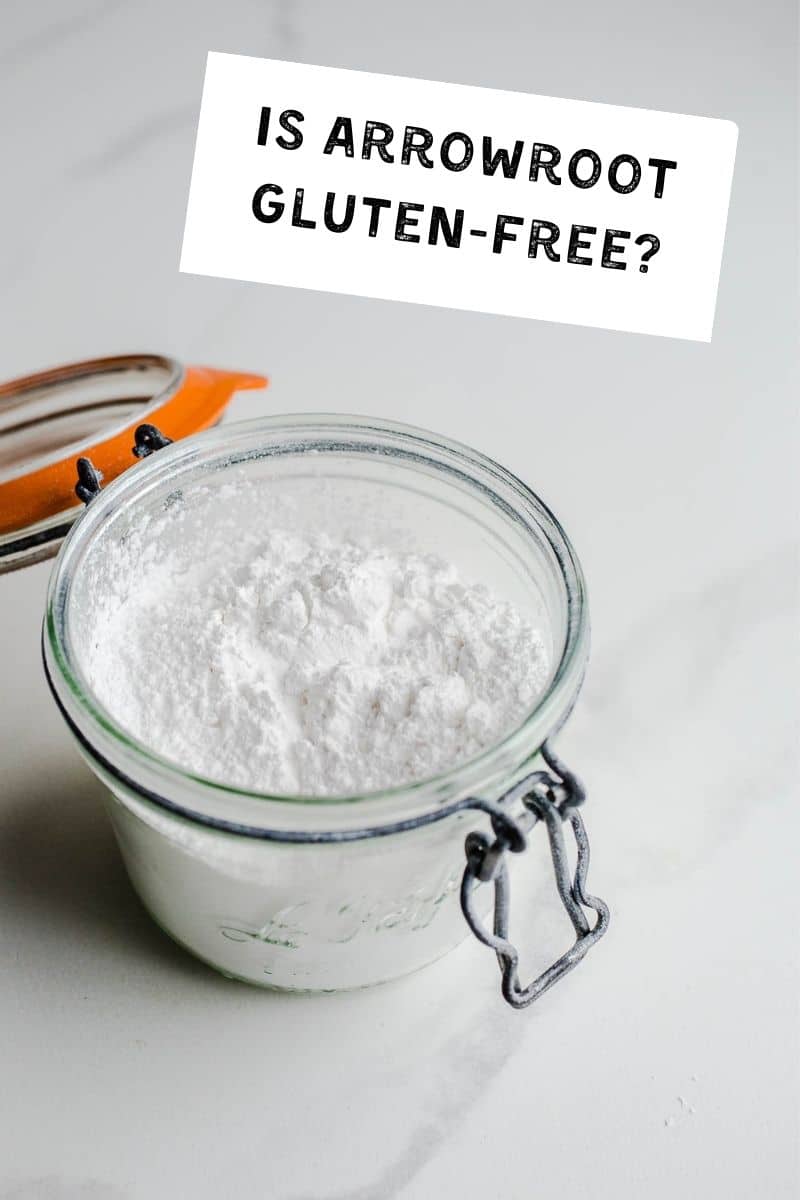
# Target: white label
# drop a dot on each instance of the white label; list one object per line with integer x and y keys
{"x": 464, "y": 197}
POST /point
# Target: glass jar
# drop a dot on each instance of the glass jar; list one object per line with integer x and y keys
{"x": 324, "y": 893}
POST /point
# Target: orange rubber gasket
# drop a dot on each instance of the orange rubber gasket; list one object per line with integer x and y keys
{"x": 192, "y": 401}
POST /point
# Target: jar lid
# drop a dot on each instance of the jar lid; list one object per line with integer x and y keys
{"x": 90, "y": 409}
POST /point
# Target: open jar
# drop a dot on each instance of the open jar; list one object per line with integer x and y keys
{"x": 332, "y": 892}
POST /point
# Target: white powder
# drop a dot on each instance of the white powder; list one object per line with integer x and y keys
{"x": 299, "y": 663}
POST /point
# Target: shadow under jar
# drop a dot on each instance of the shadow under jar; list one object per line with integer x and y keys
{"x": 334, "y": 892}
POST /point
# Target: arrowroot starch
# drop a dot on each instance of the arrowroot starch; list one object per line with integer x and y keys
{"x": 299, "y": 662}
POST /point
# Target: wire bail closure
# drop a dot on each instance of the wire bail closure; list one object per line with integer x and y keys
{"x": 554, "y": 799}
{"x": 146, "y": 440}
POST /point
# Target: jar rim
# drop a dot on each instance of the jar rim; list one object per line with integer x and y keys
{"x": 134, "y": 763}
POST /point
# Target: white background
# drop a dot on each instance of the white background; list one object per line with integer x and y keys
{"x": 131, "y": 1072}
{"x": 675, "y": 296}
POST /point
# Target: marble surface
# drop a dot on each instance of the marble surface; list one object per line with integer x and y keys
{"x": 667, "y": 1065}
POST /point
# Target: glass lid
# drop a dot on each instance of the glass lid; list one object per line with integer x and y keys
{"x": 90, "y": 410}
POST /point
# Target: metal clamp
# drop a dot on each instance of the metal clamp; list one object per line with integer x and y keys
{"x": 89, "y": 480}
{"x": 146, "y": 440}
{"x": 552, "y": 798}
